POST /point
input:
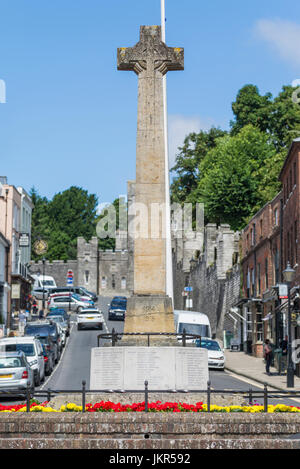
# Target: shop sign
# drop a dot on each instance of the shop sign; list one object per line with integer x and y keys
{"x": 15, "y": 291}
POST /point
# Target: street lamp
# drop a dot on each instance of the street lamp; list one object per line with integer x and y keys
{"x": 288, "y": 275}
{"x": 44, "y": 260}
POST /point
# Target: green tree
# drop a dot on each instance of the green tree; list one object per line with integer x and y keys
{"x": 60, "y": 221}
{"x": 231, "y": 187}
{"x": 279, "y": 117}
{"x": 188, "y": 162}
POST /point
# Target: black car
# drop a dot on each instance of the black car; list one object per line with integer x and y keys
{"x": 50, "y": 346}
{"x": 49, "y": 360}
{"x": 117, "y": 309}
{"x": 45, "y": 328}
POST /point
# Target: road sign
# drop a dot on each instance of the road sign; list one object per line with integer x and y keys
{"x": 70, "y": 276}
{"x": 188, "y": 288}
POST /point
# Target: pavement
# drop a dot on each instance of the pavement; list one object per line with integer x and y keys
{"x": 254, "y": 368}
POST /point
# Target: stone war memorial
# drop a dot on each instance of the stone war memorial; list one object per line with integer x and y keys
{"x": 165, "y": 364}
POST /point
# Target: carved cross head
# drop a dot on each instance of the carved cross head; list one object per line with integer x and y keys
{"x": 150, "y": 54}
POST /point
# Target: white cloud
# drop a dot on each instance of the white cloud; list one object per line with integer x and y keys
{"x": 283, "y": 36}
{"x": 179, "y": 127}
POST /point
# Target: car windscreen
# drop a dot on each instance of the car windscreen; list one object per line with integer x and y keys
{"x": 118, "y": 304}
{"x": 41, "y": 330}
{"x": 48, "y": 283}
{"x": 28, "y": 349}
{"x": 191, "y": 328}
{"x": 58, "y": 313}
{"x": 210, "y": 345}
{"x": 11, "y": 362}
{"x": 57, "y": 319}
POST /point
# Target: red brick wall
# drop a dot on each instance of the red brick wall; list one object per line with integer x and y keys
{"x": 290, "y": 178}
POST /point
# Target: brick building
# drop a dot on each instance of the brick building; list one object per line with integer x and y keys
{"x": 261, "y": 271}
{"x": 269, "y": 243}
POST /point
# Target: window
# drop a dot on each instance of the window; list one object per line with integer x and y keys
{"x": 86, "y": 276}
{"x": 123, "y": 283}
{"x": 258, "y": 279}
{"x": 252, "y": 282}
{"x": 276, "y": 266}
{"x": 276, "y": 219}
{"x": 113, "y": 281}
{"x": 266, "y": 273}
{"x": 103, "y": 282}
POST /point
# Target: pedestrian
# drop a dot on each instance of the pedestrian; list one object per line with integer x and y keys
{"x": 34, "y": 306}
{"x": 268, "y": 355}
{"x": 22, "y": 322}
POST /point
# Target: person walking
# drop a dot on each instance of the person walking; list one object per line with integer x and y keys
{"x": 268, "y": 355}
{"x": 22, "y": 322}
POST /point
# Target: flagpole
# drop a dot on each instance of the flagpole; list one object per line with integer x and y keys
{"x": 169, "y": 267}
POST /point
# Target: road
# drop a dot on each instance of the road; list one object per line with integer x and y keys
{"x": 74, "y": 365}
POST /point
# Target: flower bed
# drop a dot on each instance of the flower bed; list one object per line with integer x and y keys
{"x": 152, "y": 407}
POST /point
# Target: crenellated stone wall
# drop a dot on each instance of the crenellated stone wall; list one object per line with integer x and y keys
{"x": 209, "y": 264}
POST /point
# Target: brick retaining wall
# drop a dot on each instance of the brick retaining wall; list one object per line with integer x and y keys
{"x": 152, "y": 430}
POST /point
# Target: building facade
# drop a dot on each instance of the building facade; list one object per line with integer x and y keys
{"x": 12, "y": 203}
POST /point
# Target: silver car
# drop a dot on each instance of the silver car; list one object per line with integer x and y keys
{"x": 71, "y": 303}
{"x": 33, "y": 351}
{"x": 15, "y": 374}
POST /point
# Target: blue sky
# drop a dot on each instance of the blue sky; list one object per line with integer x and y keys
{"x": 70, "y": 116}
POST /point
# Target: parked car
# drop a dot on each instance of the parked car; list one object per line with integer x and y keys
{"x": 49, "y": 360}
{"x": 81, "y": 291}
{"x": 62, "y": 326}
{"x": 117, "y": 309}
{"x": 87, "y": 299}
{"x": 90, "y": 318}
{"x": 15, "y": 373}
{"x": 50, "y": 346}
{"x": 72, "y": 303}
{"x": 33, "y": 351}
{"x": 61, "y": 312}
{"x": 216, "y": 357}
{"x": 45, "y": 328}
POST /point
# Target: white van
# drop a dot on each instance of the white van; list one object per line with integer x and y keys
{"x": 193, "y": 322}
{"x": 43, "y": 281}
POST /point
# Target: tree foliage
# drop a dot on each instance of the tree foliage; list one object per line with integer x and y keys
{"x": 235, "y": 173}
{"x": 60, "y": 221}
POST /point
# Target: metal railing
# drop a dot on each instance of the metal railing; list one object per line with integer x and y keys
{"x": 249, "y": 394}
{"x": 116, "y": 336}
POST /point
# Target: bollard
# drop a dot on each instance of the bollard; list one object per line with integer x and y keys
{"x": 265, "y": 397}
{"x": 208, "y": 395}
{"x": 113, "y": 338}
{"x": 250, "y": 396}
{"x": 184, "y": 338}
{"x": 146, "y": 396}
{"x": 28, "y": 397}
{"x": 83, "y": 395}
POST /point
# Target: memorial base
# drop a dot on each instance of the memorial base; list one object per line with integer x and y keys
{"x": 149, "y": 314}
